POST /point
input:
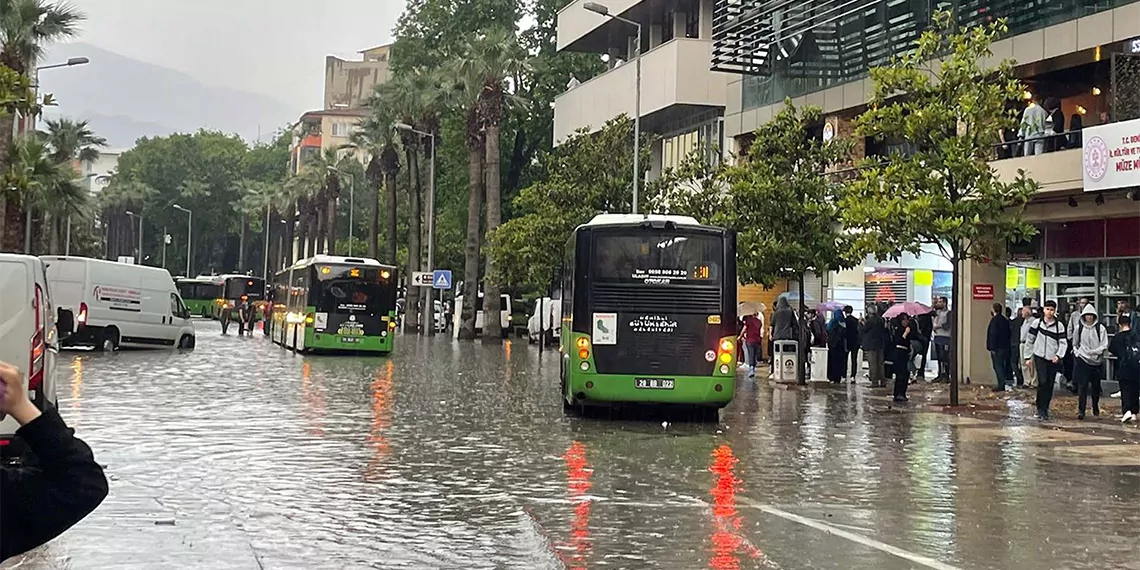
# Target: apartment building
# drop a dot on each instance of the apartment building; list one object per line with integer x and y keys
{"x": 317, "y": 131}
{"x": 682, "y": 100}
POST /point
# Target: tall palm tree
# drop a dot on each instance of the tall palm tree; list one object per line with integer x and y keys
{"x": 26, "y": 28}
{"x": 72, "y": 143}
{"x": 492, "y": 59}
{"x": 416, "y": 98}
{"x": 378, "y": 137}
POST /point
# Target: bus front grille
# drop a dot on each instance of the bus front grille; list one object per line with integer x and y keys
{"x": 663, "y": 299}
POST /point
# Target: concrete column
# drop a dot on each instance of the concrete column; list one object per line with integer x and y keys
{"x": 656, "y": 33}
{"x": 974, "y": 318}
{"x": 706, "y": 19}
{"x": 679, "y": 19}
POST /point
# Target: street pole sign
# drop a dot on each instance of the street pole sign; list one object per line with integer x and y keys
{"x": 423, "y": 279}
{"x": 441, "y": 279}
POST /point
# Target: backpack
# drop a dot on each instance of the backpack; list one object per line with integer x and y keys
{"x": 1130, "y": 360}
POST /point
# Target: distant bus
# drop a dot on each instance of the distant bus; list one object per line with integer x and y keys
{"x": 649, "y": 312}
{"x": 330, "y": 303}
{"x": 237, "y": 288}
{"x": 199, "y": 295}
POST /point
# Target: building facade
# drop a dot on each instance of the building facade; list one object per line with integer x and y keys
{"x": 349, "y": 83}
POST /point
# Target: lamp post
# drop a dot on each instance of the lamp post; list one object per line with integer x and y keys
{"x": 32, "y": 127}
{"x": 427, "y": 319}
{"x": 189, "y": 234}
{"x": 265, "y": 266}
{"x": 138, "y": 261}
{"x": 604, "y": 11}
{"x": 351, "y": 203}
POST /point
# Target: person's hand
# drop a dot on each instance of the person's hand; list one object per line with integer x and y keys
{"x": 13, "y": 397}
{"x": 1056, "y": 360}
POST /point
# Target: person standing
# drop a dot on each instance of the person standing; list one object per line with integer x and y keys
{"x": 1125, "y": 347}
{"x": 942, "y": 318}
{"x": 873, "y": 331}
{"x": 763, "y": 328}
{"x": 784, "y": 325}
{"x": 836, "y": 347}
{"x": 1074, "y": 325}
{"x": 1049, "y": 344}
{"x": 852, "y": 327}
{"x": 1032, "y": 129}
{"x": 925, "y": 333}
{"x": 997, "y": 342}
{"x": 1015, "y": 347}
{"x": 1090, "y": 344}
{"x": 901, "y": 340}
{"x": 750, "y": 338}
{"x": 1029, "y": 321}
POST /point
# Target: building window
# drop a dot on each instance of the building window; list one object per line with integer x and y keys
{"x": 340, "y": 130}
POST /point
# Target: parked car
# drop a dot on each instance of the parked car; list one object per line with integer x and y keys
{"x": 29, "y": 339}
{"x": 108, "y": 305}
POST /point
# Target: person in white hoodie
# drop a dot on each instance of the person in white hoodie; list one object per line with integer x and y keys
{"x": 1090, "y": 342}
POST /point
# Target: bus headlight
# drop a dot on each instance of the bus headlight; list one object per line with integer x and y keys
{"x": 724, "y": 369}
{"x": 584, "y": 366}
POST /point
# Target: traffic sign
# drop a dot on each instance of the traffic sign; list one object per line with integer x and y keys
{"x": 441, "y": 279}
{"x": 422, "y": 279}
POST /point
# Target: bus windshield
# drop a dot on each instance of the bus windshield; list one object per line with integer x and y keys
{"x": 658, "y": 258}
{"x": 251, "y": 287}
{"x": 353, "y": 290}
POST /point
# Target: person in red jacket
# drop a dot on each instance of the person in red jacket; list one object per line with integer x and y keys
{"x": 750, "y": 337}
{"x": 39, "y": 503}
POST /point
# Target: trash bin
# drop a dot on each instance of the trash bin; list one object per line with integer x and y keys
{"x": 818, "y": 363}
{"x": 785, "y": 360}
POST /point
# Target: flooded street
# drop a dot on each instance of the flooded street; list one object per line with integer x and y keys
{"x": 241, "y": 455}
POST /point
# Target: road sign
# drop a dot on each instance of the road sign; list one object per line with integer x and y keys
{"x": 441, "y": 279}
{"x": 422, "y": 279}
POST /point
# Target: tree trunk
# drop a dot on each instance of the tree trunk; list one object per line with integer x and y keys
{"x": 330, "y": 226}
{"x": 471, "y": 252}
{"x": 14, "y": 226}
{"x": 57, "y": 227}
{"x": 955, "y": 308}
{"x": 492, "y": 325}
{"x": 411, "y": 308}
{"x": 375, "y": 182}
{"x": 241, "y": 243}
{"x": 6, "y": 133}
{"x": 390, "y": 190}
{"x": 802, "y": 346}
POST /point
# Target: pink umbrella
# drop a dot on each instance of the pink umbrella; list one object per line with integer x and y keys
{"x": 913, "y": 309}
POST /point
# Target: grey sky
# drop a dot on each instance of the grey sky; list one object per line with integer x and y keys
{"x": 274, "y": 47}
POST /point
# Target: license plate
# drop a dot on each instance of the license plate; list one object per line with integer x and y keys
{"x": 349, "y": 339}
{"x": 653, "y": 383}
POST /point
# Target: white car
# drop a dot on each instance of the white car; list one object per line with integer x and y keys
{"x": 28, "y": 336}
{"x": 109, "y": 305}
{"x": 504, "y": 315}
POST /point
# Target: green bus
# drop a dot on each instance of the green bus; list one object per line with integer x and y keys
{"x": 648, "y": 312}
{"x": 199, "y": 295}
{"x": 335, "y": 304}
{"x": 237, "y": 288}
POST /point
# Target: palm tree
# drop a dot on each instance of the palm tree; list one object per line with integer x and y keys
{"x": 120, "y": 195}
{"x": 47, "y": 184}
{"x": 491, "y": 60}
{"x": 379, "y": 139}
{"x": 416, "y": 99}
{"x": 26, "y": 28}
{"x": 71, "y": 142}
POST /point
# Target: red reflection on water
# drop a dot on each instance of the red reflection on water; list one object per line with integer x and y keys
{"x": 314, "y": 399}
{"x": 578, "y": 473}
{"x": 726, "y": 539}
{"x": 382, "y": 397}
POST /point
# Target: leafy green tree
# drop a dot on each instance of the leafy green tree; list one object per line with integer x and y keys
{"x": 51, "y": 186}
{"x": 16, "y": 96}
{"x": 27, "y": 27}
{"x": 695, "y": 188}
{"x": 943, "y": 193}
{"x": 784, "y": 208}
{"x": 590, "y": 174}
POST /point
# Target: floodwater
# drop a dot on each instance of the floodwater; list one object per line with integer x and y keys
{"x": 241, "y": 455}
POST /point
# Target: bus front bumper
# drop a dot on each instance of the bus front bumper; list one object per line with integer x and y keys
{"x": 616, "y": 388}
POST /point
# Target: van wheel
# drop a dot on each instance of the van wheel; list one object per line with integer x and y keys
{"x": 187, "y": 341}
{"x": 108, "y": 341}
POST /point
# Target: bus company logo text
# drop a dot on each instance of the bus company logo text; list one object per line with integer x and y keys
{"x": 659, "y": 276}
{"x": 653, "y": 324}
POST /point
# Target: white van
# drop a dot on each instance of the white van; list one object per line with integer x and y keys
{"x": 551, "y": 320}
{"x": 28, "y": 337}
{"x": 108, "y": 305}
{"x": 504, "y": 315}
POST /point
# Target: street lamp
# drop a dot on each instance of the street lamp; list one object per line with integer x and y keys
{"x": 351, "y": 203}
{"x": 32, "y": 127}
{"x": 139, "y": 216}
{"x": 427, "y": 319}
{"x": 605, "y": 11}
{"x": 189, "y": 229}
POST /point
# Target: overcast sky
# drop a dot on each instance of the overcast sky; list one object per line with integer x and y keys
{"x": 274, "y": 47}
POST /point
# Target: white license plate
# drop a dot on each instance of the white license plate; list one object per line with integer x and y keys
{"x": 349, "y": 339}
{"x": 653, "y": 383}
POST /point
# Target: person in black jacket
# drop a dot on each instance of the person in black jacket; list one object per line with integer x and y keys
{"x": 873, "y": 330}
{"x": 1015, "y": 322}
{"x": 852, "y": 331}
{"x": 38, "y": 504}
{"x": 903, "y": 328}
{"x": 997, "y": 342}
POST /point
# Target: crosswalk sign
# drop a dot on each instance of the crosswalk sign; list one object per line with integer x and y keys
{"x": 441, "y": 279}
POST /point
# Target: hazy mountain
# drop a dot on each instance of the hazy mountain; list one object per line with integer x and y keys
{"x": 125, "y": 99}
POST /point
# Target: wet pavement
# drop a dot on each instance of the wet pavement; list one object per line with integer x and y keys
{"x": 241, "y": 455}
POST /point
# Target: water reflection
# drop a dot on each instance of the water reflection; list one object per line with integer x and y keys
{"x": 726, "y": 539}
{"x": 314, "y": 408}
{"x": 382, "y": 398}
{"x": 578, "y": 474}
{"x": 76, "y": 383}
